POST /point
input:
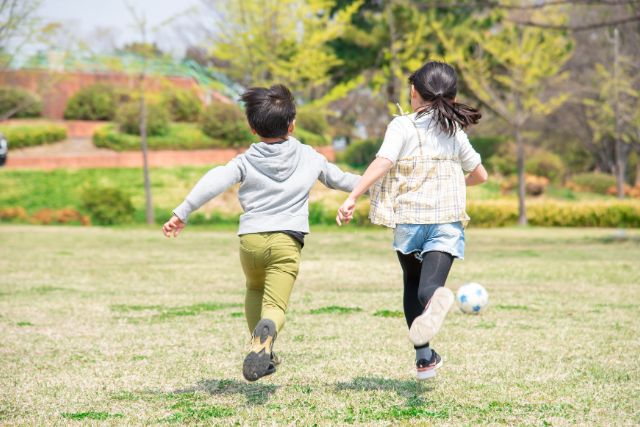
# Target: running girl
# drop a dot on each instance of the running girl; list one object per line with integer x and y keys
{"x": 422, "y": 196}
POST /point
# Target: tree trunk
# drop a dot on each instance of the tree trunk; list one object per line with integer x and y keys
{"x": 522, "y": 211}
{"x": 619, "y": 150}
{"x": 638, "y": 171}
{"x": 145, "y": 165}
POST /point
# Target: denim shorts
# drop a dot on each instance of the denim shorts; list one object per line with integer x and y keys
{"x": 423, "y": 238}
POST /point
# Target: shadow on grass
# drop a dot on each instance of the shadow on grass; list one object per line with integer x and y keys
{"x": 408, "y": 389}
{"x": 255, "y": 393}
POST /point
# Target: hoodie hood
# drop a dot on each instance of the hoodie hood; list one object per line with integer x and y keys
{"x": 276, "y": 161}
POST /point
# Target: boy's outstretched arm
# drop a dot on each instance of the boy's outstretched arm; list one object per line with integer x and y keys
{"x": 213, "y": 183}
{"x": 379, "y": 167}
{"x": 335, "y": 178}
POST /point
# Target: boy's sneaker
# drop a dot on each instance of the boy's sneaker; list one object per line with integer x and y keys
{"x": 260, "y": 362}
{"x": 426, "y": 369}
{"x": 427, "y": 325}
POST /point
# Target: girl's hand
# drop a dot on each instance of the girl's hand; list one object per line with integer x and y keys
{"x": 174, "y": 225}
{"x": 345, "y": 213}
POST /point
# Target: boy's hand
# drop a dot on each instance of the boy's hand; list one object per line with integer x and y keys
{"x": 345, "y": 213}
{"x": 174, "y": 225}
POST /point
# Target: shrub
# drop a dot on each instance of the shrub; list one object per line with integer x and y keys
{"x": 557, "y": 214}
{"x": 128, "y": 119}
{"x": 26, "y": 103}
{"x": 547, "y": 164}
{"x": 107, "y": 206}
{"x": 310, "y": 138}
{"x": 96, "y": 102}
{"x": 534, "y": 185}
{"x": 184, "y": 105}
{"x": 361, "y": 153}
{"x": 181, "y": 136}
{"x": 13, "y": 214}
{"x": 29, "y": 135}
{"x": 594, "y": 182}
{"x": 48, "y": 216}
{"x": 312, "y": 120}
{"x": 487, "y": 146}
{"x": 227, "y": 123}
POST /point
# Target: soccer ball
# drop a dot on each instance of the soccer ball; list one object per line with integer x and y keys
{"x": 472, "y": 298}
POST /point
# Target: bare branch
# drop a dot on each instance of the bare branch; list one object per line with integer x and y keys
{"x": 583, "y": 27}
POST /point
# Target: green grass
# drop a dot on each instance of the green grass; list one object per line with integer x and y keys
{"x": 134, "y": 329}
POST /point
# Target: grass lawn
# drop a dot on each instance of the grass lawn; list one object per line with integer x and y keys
{"x": 121, "y": 326}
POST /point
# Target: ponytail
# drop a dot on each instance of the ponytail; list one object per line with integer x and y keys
{"x": 451, "y": 116}
{"x": 437, "y": 84}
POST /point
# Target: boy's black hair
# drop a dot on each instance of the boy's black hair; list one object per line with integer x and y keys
{"x": 437, "y": 83}
{"x": 270, "y": 111}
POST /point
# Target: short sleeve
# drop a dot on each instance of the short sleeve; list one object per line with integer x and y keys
{"x": 469, "y": 158}
{"x": 394, "y": 139}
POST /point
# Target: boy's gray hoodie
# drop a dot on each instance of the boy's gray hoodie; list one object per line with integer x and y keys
{"x": 275, "y": 183}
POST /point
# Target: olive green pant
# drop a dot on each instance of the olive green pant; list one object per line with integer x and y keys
{"x": 270, "y": 262}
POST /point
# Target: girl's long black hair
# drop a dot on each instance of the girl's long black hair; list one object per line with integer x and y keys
{"x": 437, "y": 84}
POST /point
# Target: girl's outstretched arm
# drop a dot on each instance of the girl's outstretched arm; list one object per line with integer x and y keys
{"x": 378, "y": 168}
{"x": 477, "y": 176}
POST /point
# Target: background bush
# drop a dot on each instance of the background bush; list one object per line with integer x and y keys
{"x": 547, "y": 164}
{"x": 487, "y": 146}
{"x": 128, "y": 119}
{"x": 11, "y": 97}
{"x": 107, "y": 206}
{"x": 183, "y": 105}
{"x": 594, "y": 182}
{"x": 310, "y": 138}
{"x": 180, "y": 136}
{"x": 96, "y": 102}
{"x": 29, "y": 135}
{"x": 360, "y": 153}
{"x": 312, "y": 120}
{"x": 227, "y": 123}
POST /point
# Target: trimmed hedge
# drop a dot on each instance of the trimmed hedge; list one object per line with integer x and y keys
{"x": 500, "y": 213}
{"x": 30, "y": 135}
{"x": 361, "y": 153}
{"x": 310, "y": 138}
{"x": 96, "y": 102}
{"x": 28, "y": 104}
{"x": 595, "y": 182}
{"x": 181, "y": 136}
{"x": 128, "y": 118}
{"x": 227, "y": 123}
{"x": 184, "y": 105}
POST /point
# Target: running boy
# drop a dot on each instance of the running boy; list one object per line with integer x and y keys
{"x": 275, "y": 177}
{"x": 422, "y": 196}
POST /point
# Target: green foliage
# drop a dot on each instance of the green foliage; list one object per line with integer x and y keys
{"x": 487, "y": 146}
{"x": 595, "y": 182}
{"x": 311, "y": 138}
{"x": 557, "y": 214}
{"x": 361, "y": 153}
{"x": 547, "y": 164}
{"x": 128, "y": 119}
{"x": 24, "y": 103}
{"x": 312, "y": 120}
{"x": 91, "y": 415}
{"x": 180, "y": 136}
{"x": 96, "y": 102}
{"x": 227, "y": 123}
{"x": 107, "y": 206}
{"x": 184, "y": 105}
{"x": 29, "y": 135}
{"x": 284, "y": 41}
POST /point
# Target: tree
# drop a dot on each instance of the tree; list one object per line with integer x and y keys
{"x": 508, "y": 67}
{"x": 285, "y": 41}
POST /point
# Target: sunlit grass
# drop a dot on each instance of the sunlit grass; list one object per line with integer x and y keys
{"x": 125, "y": 327}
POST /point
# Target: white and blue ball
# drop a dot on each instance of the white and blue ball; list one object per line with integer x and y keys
{"x": 472, "y": 298}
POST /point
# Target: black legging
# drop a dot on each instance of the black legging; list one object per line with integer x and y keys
{"x": 421, "y": 279}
